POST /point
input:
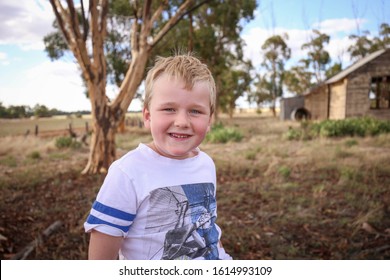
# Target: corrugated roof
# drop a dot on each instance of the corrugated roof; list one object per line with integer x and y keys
{"x": 354, "y": 67}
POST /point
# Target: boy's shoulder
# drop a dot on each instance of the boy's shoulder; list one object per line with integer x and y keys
{"x": 132, "y": 156}
{"x": 205, "y": 156}
{"x": 143, "y": 156}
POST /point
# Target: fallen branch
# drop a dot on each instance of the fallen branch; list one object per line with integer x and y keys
{"x": 23, "y": 254}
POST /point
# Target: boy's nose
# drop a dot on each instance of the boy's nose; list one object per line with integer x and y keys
{"x": 182, "y": 119}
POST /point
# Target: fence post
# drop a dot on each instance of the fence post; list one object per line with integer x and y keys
{"x": 36, "y": 130}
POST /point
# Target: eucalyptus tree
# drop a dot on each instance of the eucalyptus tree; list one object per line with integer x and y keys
{"x": 233, "y": 83}
{"x": 85, "y": 32}
{"x": 276, "y": 54}
{"x": 333, "y": 70}
{"x": 261, "y": 92}
{"x": 366, "y": 43}
{"x": 383, "y": 40}
{"x": 213, "y": 34}
{"x": 361, "y": 47}
{"x": 298, "y": 79}
{"x": 318, "y": 58}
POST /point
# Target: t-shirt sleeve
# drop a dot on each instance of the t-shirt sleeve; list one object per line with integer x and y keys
{"x": 115, "y": 206}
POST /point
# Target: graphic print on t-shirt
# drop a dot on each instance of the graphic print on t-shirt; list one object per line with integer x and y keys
{"x": 187, "y": 213}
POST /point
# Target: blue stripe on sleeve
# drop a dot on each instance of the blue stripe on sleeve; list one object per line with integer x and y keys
{"x": 96, "y": 221}
{"x": 113, "y": 212}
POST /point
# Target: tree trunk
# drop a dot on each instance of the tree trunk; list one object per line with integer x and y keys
{"x": 102, "y": 148}
{"x": 102, "y": 151}
{"x": 108, "y": 117}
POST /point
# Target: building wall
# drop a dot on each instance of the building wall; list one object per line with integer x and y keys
{"x": 358, "y": 103}
{"x": 288, "y": 105}
{"x": 350, "y": 96}
{"x": 380, "y": 114}
{"x": 338, "y": 98}
{"x": 317, "y": 103}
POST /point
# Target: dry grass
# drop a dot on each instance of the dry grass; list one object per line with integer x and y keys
{"x": 277, "y": 199}
{"x": 303, "y": 199}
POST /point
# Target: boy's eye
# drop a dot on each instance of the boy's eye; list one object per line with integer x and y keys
{"x": 169, "y": 109}
{"x": 195, "y": 112}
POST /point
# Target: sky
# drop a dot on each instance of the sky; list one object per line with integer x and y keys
{"x": 28, "y": 77}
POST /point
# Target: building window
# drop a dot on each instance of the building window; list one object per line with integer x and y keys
{"x": 379, "y": 94}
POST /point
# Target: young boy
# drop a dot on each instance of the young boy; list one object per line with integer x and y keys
{"x": 158, "y": 201}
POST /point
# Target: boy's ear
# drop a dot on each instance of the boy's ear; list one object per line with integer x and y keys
{"x": 146, "y": 116}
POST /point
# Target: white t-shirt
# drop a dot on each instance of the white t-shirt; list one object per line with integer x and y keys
{"x": 164, "y": 208}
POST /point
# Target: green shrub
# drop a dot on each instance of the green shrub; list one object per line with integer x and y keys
{"x": 221, "y": 134}
{"x": 366, "y": 126}
{"x": 34, "y": 155}
{"x": 351, "y": 142}
{"x": 251, "y": 155}
{"x": 9, "y": 161}
{"x": 67, "y": 142}
{"x": 293, "y": 134}
{"x": 302, "y": 133}
{"x": 284, "y": 171}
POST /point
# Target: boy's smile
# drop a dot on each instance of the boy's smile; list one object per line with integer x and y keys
{"x": 178, "y": 118}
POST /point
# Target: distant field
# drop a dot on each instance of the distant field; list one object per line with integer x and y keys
{"x": 15, "y": 127}
{"x": 21, "y": 126}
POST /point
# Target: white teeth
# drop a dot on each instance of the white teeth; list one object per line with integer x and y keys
{"x": 179, "y": 136}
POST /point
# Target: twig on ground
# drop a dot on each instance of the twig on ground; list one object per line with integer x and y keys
{"x": 23, "y": 254}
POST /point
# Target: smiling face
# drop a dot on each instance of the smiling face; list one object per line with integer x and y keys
{"x": 178, "y": 118}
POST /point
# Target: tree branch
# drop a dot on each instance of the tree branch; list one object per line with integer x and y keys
{"x": 25, "y": 252}
{"x": 134, "y": 38}
{"x": 57, "y": 7}
{"x": 146, "y": 10}
{"x": 98, "y": 30}
{"x": 146, "y": 24}
{"x": 175, "y": 19}
{"x": 74, "y": 21}
{"x": 158, "y": 12}
{"x": 85, "y": 21}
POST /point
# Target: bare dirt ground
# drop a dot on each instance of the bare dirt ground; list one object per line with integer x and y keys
{"x": 26, "y": 211}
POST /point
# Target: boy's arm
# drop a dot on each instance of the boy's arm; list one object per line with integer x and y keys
{"x": 103, "y": 246}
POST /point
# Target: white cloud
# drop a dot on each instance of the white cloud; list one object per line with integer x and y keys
{"x": 25, "y": 23}
{"x": 256, "y": 37}
{"x": 338, "y": 50}
{"x": 345, "y": 25}
{"x": 4, "y": 58}
{"x": 54, "y": 84}
{"x": 338, "y": 29}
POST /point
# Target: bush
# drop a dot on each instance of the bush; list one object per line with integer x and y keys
{"x": 361, "y": 127}
{"x": 351, "y": 142}
{"x": 302, "y": 133}
{"x": 221, "y": 134}
{"x": 366, "y": 126}
{"x": 34, "y": 155}
{"x": 67, "y": 142}
{"x": 293, "y": 134}
{"x": 284, "y": 171}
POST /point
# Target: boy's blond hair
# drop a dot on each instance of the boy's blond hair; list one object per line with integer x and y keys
{"x": 186, "y": 68}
